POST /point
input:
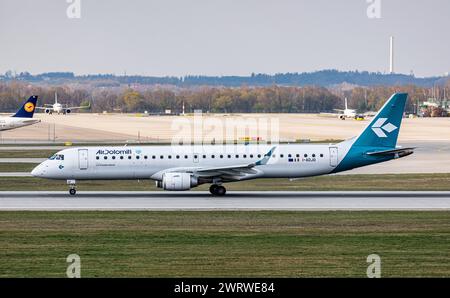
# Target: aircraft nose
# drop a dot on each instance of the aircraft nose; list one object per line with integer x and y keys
{"x": 38, "y": 171}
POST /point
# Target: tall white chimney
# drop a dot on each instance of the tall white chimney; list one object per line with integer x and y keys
{"x": 391, "y": 55}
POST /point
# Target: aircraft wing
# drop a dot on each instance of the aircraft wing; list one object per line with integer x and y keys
{"x": 44, "y": 108}
{"x": 226, "y": 173}
{"x": 76, "y": 108}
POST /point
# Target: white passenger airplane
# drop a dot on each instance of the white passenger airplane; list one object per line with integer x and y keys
{"x": 346, "y": 113}
{"x": 190, "y": 166}
{"x": 23, "y": 117}
{"x": 59, "y": 108}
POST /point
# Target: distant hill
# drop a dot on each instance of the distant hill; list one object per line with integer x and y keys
{"x": 323, "y": 78}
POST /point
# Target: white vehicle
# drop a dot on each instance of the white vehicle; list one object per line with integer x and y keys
{"x": 23, "y": 117}
{"x": 59, "y": 108}
{"x": 184, "y": 167}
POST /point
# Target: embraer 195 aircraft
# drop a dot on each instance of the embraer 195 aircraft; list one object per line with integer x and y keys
{"x": 190, "y": 166}
{"x": 23, "y": 117}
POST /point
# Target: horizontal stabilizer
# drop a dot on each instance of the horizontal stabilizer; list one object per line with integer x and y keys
{"x": 400, "y": 151}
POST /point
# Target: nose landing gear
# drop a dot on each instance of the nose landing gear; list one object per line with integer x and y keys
{"x": 72, "y": 187}
{"x": 217, "y": 190}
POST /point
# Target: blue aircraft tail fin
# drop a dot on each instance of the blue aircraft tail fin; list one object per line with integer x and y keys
{"x": 28, "y": 108}
{"x": 384, "y": 128}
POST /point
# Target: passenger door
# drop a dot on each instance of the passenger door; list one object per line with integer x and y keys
{"x": 333, "y": 156}
{"x": 83, "y": 159}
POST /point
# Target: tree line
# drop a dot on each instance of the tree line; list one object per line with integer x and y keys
{"x": 270, "y": 99}
{"x": 324, "y": 78}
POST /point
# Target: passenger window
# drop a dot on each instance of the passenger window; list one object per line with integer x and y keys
{"x": 129, "y": 156}
{"x": 113, "y": 157}
{"x": 153, "y": 157}
{"x": 306, "y": 155}
{"x": 221, "y": 156}
{"x": 229, "y": 156}
{"x": 204, "y": 156}
{"x": 212, "y": 156}
{"x": 289, "y": 155}
{"x": 297, "y": 155}
{"x": 313, "y": 155}
{"x": 244, "y": 156}
{"x": 251, "y": 155}
{"x": 161, "y": 157}
{"x": 259, "y": 155}
{"x": 105, "y": 157}
{"x": 195, "y": 156}
{"x": 97, "y": 157}
{"x": 137, "y": 157}
{"x": 321, "y": 155}
{"x": 121, "y": 157}
{"x": 237, "y": 155}
{"x": 178, "y": 157}
{"x": 281, "y": 155}
{"x": 145, "y": 156}
{"x": 185, "y": 157}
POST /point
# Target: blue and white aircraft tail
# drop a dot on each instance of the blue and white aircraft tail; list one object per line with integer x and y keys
{"x": 27, "y": 109}
{"x": 378, "y": 141}
{"x": 23, "y": 117}
{"x": 184, "y": 167}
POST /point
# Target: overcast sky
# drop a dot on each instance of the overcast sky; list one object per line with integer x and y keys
{"x": 223, "y": 37}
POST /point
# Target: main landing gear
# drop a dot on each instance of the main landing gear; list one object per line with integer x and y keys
{"x": 72, "y": 187}
{"x": 217, "y": 190}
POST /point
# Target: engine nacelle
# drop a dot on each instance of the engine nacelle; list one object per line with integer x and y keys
{"x": 177, "y": 181}
{"x": 47, "y": 111}
{"x": 68, "y": 111}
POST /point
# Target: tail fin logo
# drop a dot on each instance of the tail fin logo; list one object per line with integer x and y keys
{"x": 29, "y": 107}
{"x": 379, "y": 128}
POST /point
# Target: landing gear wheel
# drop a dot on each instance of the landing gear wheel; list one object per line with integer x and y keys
{"x": 220, "y": 191}
{"x": 217, "y": 190}
{"x": 213, "y": 188}
{"x": 72, "y": 191}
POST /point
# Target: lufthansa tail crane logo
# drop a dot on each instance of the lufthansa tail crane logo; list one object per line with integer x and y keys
{"x": 29, "y": 107}
{"x": 379, "y": 128}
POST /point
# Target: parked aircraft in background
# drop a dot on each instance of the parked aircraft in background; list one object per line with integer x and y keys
{"x": 59, "y": 108}
{"x": 185, "y": 167}
{"x": 23, "y": 117}
{"x": 346, "y": 113}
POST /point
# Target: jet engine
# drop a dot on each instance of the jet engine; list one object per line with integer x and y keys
{"x": 177, "y": 181}
{"x": 68, "y": 111}
{"x": 47, "y": 111}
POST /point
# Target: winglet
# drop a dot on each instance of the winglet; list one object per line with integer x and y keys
{"x": 266, "y": 157}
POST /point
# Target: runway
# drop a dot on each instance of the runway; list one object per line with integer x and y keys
{"x": 196, "y": 200}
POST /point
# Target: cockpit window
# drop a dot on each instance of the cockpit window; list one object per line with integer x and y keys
{"x": 57, "y": 157}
